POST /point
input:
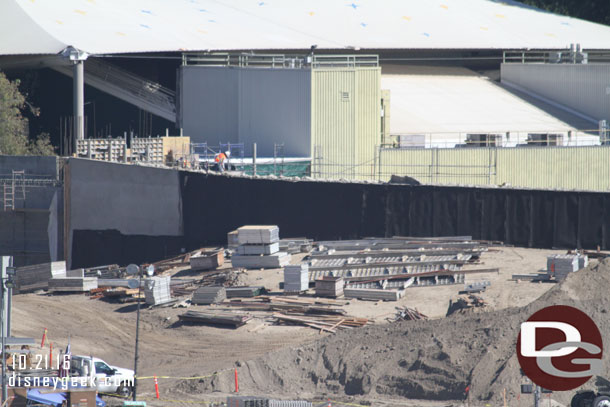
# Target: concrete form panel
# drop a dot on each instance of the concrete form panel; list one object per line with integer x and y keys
{"x": 133, "y": 200}
{"x": 209, "y": 104}
{"x": 584, "y": 88}
{"x": 274, "y": 107}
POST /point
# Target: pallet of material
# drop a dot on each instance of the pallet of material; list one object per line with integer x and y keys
{"x": 72, "y": 284}
{"x": 209, "y": 295}
{"x": 258, "y": 234}
{"x": 257, "y": 249}
{"x": 330, "y": 287}
{"x": 276, "y": 260}
{"x": 207, "y": 260}
{"x": 215, "y": 318}
{"x": 157, "y": 290}
{"x": 296, "y": 278}
{"x": 295, "y": 245}
{"x": 373, "y": 294}
{"x": 232, "y": 240}
{"x": 244, "y": 292}
{"x": 36, "y": 277}
{"x": 560, "y": 265}
{"x": 248, "y": 401}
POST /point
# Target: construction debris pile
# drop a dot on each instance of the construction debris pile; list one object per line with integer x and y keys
{"x": 466, "y": 304}
{"x": 408, "y": 314}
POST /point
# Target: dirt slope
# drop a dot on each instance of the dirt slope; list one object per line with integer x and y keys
{"x": 433, "y": 360}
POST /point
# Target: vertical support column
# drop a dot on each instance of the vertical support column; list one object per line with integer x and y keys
{"x": 78, "y": 100}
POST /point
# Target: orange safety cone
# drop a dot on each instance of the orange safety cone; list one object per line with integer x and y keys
{"x": 44, "y": 336}
{"x": 329, "y": 405}
{"x": 157, "y": 387}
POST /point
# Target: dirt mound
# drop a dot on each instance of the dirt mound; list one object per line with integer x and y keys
{"x": 434, "y": 360}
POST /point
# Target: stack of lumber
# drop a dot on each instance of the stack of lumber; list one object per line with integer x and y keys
{"x": 296, "y": 278}
{"x": 248, "y": 401}
{"x": 560, "y": 265}
{"x": 207, "y": 259}
{"x": 327, "y": 323}
{"x": 244, "y": 292}
{"x": 215, "y": 318}
{"x": 408, "y": 314}
{"x": 293, "y": 305}
{"x": 36, "y": 277}
{"x": 373, "y": 294}
{"x": 258, "y": 234}
{"x": 209, "y": 295}
{"x": 72, "y": 284}
{"x": 178, "y": 261}
{"x": 328, "y": 286}
{"x": 259, "y": 248}
{"x": 157, "y": 290}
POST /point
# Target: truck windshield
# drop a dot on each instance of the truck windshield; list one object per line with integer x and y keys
{"x": 101, "y": 367}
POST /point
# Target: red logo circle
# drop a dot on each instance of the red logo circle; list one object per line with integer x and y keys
{"x": 547, "y": 362}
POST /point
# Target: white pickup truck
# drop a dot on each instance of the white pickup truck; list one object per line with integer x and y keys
{"x": 106, "y": 378}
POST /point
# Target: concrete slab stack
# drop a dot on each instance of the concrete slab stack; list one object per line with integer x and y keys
{"x": 36, "y": 277}
{"x": 157, "y": 290}
{"x": 209, "y": 295}
{"x": 259, "y": 248}
{"x": 296, "y": 278}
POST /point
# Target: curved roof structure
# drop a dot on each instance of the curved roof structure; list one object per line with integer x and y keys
{"x": 119, "y": 26}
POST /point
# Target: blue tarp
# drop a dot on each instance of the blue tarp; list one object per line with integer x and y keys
{"x": 55, "y": 399}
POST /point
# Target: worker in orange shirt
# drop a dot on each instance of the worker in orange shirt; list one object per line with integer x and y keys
{"x": 220, "y": 160}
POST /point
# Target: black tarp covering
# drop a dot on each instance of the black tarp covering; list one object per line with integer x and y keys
{"x": 214, "y": 205}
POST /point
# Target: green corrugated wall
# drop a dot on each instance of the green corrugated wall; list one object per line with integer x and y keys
{"x": 580, "y": 168}
{"x": 345, "y": 121}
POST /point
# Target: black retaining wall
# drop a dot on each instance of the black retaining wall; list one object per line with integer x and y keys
{"x": 214, "y": 205}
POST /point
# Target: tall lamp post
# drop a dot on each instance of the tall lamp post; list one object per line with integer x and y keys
{"x": 132, "y": 270}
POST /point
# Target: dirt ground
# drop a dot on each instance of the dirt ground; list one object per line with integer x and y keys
{"x": 107, "y": 330}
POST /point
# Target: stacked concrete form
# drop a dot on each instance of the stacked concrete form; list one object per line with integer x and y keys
{"x": 209, "y": 295}
{"x": 72, "y": 284}
{"x": 244, "y": 292}
{"x": 157, "y": 290}
{"x": 373, "y": 294}
{"x": 36, "y": 277}
{"x": 259, "y": 248}
{"x": 330, "y": 287}
{"x": 560, "y": 265}
{"x": 296, "y": 278}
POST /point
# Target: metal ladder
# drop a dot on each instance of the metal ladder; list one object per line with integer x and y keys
{"x": 9, "y": 189}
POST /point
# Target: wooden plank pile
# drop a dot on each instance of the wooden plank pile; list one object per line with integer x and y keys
{"x": 72, "y": 284}
{"x": 373, "y": 294}
{"x": 215, "y": 318}
{"x": 327, "y": 323}
{"x": 157, "y": 290}
{"x": 408, "y": 314}
{"x": 36, "y": 277}
{"x": 328, "y": 286}
{"x": 296, "y": 278}
{"x": 259, "y": 248}
{"x": 209, "y": 295}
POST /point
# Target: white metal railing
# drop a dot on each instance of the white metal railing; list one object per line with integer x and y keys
{"x": 521, "y": 138}
{"x": 556, "y": 56}
{"x": 279, "y": 60}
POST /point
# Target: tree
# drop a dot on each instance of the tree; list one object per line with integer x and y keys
{"x": 14, "y": 127}
{"x": 593, "y": 10}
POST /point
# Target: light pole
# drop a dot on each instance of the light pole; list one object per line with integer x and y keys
{"x": 132, "y": 269}
{"x": 7, "y": 282}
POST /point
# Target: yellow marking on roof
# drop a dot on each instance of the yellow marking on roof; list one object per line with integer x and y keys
{"x": 445, "y": 6}
{"x": 81, "y": 12}
{"x": 406, "y": 18}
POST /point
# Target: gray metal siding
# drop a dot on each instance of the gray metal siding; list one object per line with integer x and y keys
{"x": 275, "y": 107}
{"x": 584, "y": 88}
{"x": 208, "y": 104}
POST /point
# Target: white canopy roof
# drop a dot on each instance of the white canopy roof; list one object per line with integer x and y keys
{"x": 122, "y": 26}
